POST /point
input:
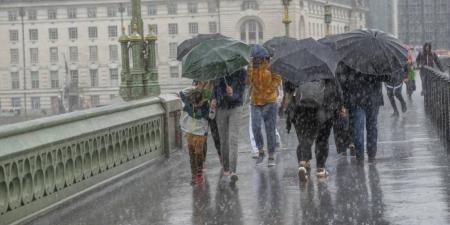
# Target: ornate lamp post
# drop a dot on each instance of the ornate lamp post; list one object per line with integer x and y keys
{"x": 139, "y": 74}
{"x": 286, "y": 19}
{"x": 328, "y": 17}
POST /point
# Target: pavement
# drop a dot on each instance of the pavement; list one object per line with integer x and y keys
{"x": 409, "y": 184}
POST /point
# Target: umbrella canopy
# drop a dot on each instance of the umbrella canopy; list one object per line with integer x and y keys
{"x": 306, "y": 60}
{"x": 369, "y": 51}
{"x": 189, "y": 44}
{"x": 215, "y": 58}
{"x": 278, "y": 42}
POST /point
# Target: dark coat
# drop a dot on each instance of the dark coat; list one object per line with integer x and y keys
{"x": 237, "y": 83}
{"x": 360, "y": 90}
{"x": 428, "y": 58}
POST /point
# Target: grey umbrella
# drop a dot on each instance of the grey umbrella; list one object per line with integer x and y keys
{"x": 370, "y": 52}
{"x": 278, "y": 42}
{"x": 187, "y": 45}
{"x": 305, "y": 60}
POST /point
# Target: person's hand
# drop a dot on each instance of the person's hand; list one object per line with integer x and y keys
{"x": 229, "y": 91}
{"x": 343, "y": 112}
{"x": 213, "y": 104}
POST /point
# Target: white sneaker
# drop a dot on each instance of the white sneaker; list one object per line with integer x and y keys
{"x": 302, "y": 174}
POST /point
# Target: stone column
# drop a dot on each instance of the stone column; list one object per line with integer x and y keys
{"x": 153, "y": 88}
{"x": 137, "y": 71}
{"x": 125, "y": 80}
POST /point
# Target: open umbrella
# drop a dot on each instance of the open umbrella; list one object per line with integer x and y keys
{"x": 306, "y": 60}
{"x": 189, "y": 44}
{"x": 369, "y": 51}
{"x": 215, "y": 58}
{"x": 278, "y": 42}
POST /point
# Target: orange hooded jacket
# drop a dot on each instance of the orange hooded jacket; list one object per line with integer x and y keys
{"x": 263, "y": 83}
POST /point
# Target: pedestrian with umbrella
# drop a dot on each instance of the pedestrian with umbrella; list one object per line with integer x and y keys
{"x": 182, "y": 50}
{"x": 315, "y": 102}
{"x": 370, "y": 57}
{"x": 222, "y": 60}
{"x": 264, "y": 91}
{"x": 427, "y": 58}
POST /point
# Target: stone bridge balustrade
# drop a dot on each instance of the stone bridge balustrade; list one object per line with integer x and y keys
{"x": 48, "y": 160}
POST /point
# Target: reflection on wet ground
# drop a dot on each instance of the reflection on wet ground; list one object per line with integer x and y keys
{"x": 409, "y": 184}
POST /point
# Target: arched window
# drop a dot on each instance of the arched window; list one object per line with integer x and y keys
{"x": 249, "y": 4}
{"x": 251, "y": 32}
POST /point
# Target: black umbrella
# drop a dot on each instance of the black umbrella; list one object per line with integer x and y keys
{"x": 278, "y": 42}
{"x": 187, "y": 45}
{"x": 369, "y": 51}
{"x": 305, "y": 60}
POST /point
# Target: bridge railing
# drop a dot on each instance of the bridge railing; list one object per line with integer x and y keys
{"x": 437, "y": 101}
{"x": 45, "y": 161}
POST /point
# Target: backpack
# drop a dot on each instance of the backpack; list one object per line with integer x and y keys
{"x": 310, "y": 94}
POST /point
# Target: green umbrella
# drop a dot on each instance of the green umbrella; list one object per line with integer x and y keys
{"x": 215, "y": 58}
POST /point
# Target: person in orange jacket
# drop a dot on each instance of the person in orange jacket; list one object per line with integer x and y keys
{"x": 264, "y": 92}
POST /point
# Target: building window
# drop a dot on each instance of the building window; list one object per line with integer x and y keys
{"x": 193, "y": 28}
{"x": 54, "y": 54}
{"x": 32, "y": 14}
{"x": 15, "y": 83}
{"x": 172, "y": 8}
{"x": 73, "y": 54}
{"x": 251, "y": 32}
{"x": 250, "y": 4}
{"x": 12, "y": 15}
{"x": 74, "y": 77}
{"x": 92, "y": 12}
{"x": 112, "y": 11}
{"x": 114, "y": 76}
{"x": 173, "y": 50}
{"x": 154, "y": 28}
{"x": 35, "y": 103}
{"x": 192, "y": 7}
{"x": 152, "y": 9}
{"x": 14, "y": 53}
{"x": 93, "y": 53}
{"x": 13, "y": 35}
{"x": 113, "y": 53}
{"x": 173, "y": 28}
{"x": 54, "y": 79}
{"x": 52, "y": 14}
{"x": 212, "y": 27}
{"x": 112, "y": 31}
{"x": 73, "y": 33}
{"x": 92, "y": 32}
{"x": 34, "y": 35}
{"x": 95, "y": 100}
{"x": 34, "y": 55}
{"x": 174, "y": 72}
{"x": 212, "y": 7}
{"x": 15, "y": 102}
{"x": 71, "y": 13}
{"x": 94, "y": 78}
{"x": 53, "y": 34}
{"x": 34, "y": 79}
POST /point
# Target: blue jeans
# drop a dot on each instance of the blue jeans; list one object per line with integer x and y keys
{"x": 268, "y": 113}
{"x": 365, "y": 117}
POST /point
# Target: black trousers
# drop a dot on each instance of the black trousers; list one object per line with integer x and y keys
{"x": 309, "y": 130}
{"x": 215, "y": 136}
{"x": 342, "y": 134}
{"x": 397, "y": 92}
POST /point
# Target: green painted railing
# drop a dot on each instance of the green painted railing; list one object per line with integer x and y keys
{"x": 45, "y": 161}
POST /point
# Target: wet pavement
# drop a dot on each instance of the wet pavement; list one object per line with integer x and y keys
{"x": 409, "y": 184}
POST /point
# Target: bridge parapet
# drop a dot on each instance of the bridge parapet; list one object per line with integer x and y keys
{"x": 48, "y": 160}
{"x": 437, "y": 101}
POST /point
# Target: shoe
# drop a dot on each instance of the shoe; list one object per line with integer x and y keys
{"x": 261, "y": 155}
{"x": 352, "y": 149}
{"x": 308, "y": 166}
{"x": 193, "y": 180}
{"x": 371, "y": 159}
{"x": 255, "y": 155}
{"x": 302, "y": 174}
{"x": 233, "y": 179}
{"x": 395, "y": 114}
{"x": 199, "y": 179}
{"x": 321, "y": 173}
{"x": 271, "y": 161}
{"x": 404, "y": 108}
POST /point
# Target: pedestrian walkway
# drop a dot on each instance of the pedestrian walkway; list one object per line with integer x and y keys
{"x": 409, "y": 184}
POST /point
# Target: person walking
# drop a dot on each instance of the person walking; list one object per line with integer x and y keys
{"x": 427, "y": 58}
{"x": 313, "y": 108}
{"x": 394, "y": 88}
{"x": 410, "y": 81}
{"x": 264, "y": 92}
{"x": 363, "y": 96}
{"x": 195, "y": 124}
{"x": 228, "y": 98}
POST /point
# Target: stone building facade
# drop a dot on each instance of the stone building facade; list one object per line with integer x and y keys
{"x": 71, "y": 53}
